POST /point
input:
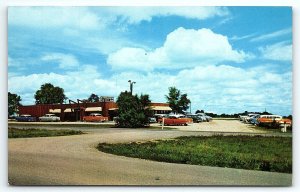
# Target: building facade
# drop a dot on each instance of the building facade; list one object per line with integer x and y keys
{"x": 76, "y": 111}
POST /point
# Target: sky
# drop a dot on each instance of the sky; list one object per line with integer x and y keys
{"x": 227, "y": 59}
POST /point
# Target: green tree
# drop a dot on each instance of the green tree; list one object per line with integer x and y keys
{"x": 133, "y": 110}
{"x": 48, "y": 94}
{"x": 177, "y": 101}
{"x": 93, "y": 98}
{"x": 200, "y": 111}
{"x": 13, "y": 103}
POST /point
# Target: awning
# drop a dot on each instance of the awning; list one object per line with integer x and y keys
{"x": 54, "y": 110}
{"x": 160, "y": 108}
{"x": 113, "y": 109}
{"x": 68, "y": 110}
{"x": 93, "y": 109}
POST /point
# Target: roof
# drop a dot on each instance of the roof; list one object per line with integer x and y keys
{"x": 93, "y": 109}
{"x": 160, "y": 108}
{"x": 54, "y": 110}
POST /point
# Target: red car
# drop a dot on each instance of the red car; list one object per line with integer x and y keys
{"x": 176, "y": 121}
{"x": 95, "y": 117}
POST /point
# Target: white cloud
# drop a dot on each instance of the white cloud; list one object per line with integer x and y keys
{"x": 49, "y": 17}
{"x": 87, "y": 18}
{"x": 65, "y": 61}
{"x": 131, "y": 57}
{"x": 77, "y": 84}
{"x": 272, "y": 35}
{"x": 237, "y": 38}
{"x": 278, "y": 52}
{"x": 182, "y": 48}
{"x": 134, "y": 15}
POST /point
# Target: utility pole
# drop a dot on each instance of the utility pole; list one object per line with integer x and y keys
{"x": 131, "y": 85}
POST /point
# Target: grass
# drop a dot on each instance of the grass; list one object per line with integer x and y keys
{"x": 27, "y": 133}
{"x": 243, "y": 152}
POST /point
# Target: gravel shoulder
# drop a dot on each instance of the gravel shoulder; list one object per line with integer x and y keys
{"x": 74, "y": 160}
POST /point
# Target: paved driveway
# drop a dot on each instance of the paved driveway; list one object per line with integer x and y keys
{"x": 74, "y": 160}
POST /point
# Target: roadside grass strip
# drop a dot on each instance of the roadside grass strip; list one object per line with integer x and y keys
{"x": 27, "y": 133}
{"x": 262, "y": 153}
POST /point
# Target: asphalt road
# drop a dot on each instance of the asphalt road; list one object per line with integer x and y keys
{"x": 74, "y": 160}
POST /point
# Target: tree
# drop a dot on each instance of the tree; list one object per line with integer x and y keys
{"x": 178, "y": 103}
{"x": 133, "y": 110}
{"x": 13, "y": 103}
{"x": 93, "y": 98}
{"x": 48, "y": 94}
{"x": 200, "y": 111}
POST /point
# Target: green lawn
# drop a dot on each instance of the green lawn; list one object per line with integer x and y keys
{"x": 243, "y": 152}
{"x": 24, "y": 133}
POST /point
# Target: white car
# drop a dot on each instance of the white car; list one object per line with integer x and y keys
{"x": 49, "y": 117}
{"x": 248, "y": 117}
{"x": 204, "y": 117}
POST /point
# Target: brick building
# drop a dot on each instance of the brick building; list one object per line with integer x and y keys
{"x": 76, "y": 111}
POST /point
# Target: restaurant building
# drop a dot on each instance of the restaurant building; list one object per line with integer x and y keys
{"x": 75, "y": 111}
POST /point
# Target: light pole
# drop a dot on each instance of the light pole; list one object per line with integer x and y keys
{"x": 131, "y": 85}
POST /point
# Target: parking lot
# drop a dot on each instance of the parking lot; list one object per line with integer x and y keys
{"x": 219, "y": 125}
{"x": 216, "y": 125}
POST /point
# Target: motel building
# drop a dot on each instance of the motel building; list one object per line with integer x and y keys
{"x": 75, "y": 111}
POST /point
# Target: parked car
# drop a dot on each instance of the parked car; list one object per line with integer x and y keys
{"x": 269, "y": 119}
{"x": 25, "y": 118}
{"x": 152, "y": 120}
{"x": 196, "y": 118}
{"x": 177, "y": 120}
{"x": 49, "y": 117}
{"x": 158, "y": 117}
{"x": 115, "y": 119}
{"x": 242, "y": 117}
{"x": 248, "y": 117}
{"x": 95, "y": 117}
{"x": 204, "y": 117}
{"x": 253, "y": 119}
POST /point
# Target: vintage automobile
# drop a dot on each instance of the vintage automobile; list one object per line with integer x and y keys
{"x": 152, "y": 120}
{"x": 25, "y": 118}
{"x": 196, "y": 118}
{"x": 49, "y": 117}
{"x": 253, "y": 119}
{"x": 269, "y": 119}
{"x": 95, "y": 117}
{"x": 176, "y": 120}
{"x": 204, "y": 117}
{"x": 248, "y": 118}
{"x": 242, "y": 117}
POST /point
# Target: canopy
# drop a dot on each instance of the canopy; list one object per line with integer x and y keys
{"x": 54, "y": 110}
{"x": 160, "y": 108}
{"x": 93, "y": 109}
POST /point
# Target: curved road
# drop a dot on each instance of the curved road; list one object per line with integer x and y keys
{"x": 74, "y": 160}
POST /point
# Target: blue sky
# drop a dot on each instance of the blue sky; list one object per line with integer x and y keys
{"x": 227, "y": 59}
